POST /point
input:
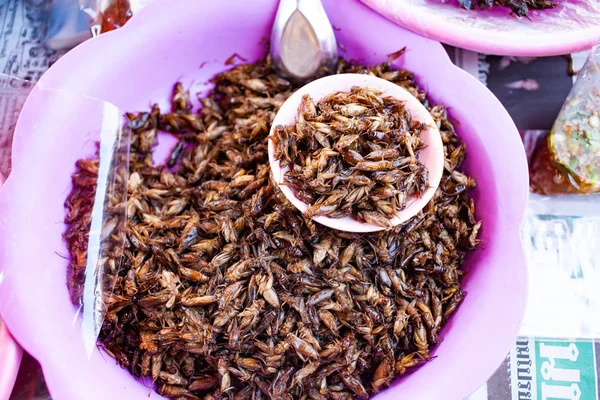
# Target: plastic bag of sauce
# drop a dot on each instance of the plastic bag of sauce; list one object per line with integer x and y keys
{"x": 568, "y": 161}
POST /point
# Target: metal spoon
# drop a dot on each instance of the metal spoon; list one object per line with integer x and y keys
{"x": 303, "y": 45}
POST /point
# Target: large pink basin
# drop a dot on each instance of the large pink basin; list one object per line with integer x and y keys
{"x": 138, "y": 64}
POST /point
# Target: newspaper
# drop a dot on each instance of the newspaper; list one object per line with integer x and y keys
{"x": 556, "y": 356}
{"x": 24, "y": 28}
{"x": 545, "y": 369}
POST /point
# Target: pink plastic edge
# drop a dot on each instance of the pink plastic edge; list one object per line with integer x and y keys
{"x": 432, "y": 155}
{"x": 480, "y": 40}
{"x": 10, "y": 360}
{"x": 59, "y": 384}
{"x": 10, "y": 354}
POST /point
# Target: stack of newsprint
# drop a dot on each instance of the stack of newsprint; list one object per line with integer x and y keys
{"x": 555, "y": 356}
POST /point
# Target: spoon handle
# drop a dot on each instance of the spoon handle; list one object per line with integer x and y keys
{"x": 303, "y": 44}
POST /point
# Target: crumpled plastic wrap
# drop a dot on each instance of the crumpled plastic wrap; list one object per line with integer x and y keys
{"x": 67, "y": 25}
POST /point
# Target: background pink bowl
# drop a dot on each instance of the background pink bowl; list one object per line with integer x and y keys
{"x": 10, "y": 360}
{"x": 133, "y": 66}
{"x": 574, "y": 25}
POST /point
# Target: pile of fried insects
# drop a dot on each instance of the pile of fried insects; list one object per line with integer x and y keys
{"x": 520, "y": 8}
{"x": 220, "y": 288}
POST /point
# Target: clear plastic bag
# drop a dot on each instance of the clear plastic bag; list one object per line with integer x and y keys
{"x": 568, "y": 159}
{"x": 67, "y": 25}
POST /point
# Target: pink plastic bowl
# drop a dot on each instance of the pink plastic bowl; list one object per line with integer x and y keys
{"x": 432, "y": 156}
{"x": 133, "y": 66}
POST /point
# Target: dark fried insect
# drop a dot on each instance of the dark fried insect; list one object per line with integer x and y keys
{"x": 221, "y": 289}
{"x": 339, "y": 147}
{"x": 518, "y": 7}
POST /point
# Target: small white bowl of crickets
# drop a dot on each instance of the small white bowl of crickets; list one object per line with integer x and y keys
{"x": 356, "y": 153}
